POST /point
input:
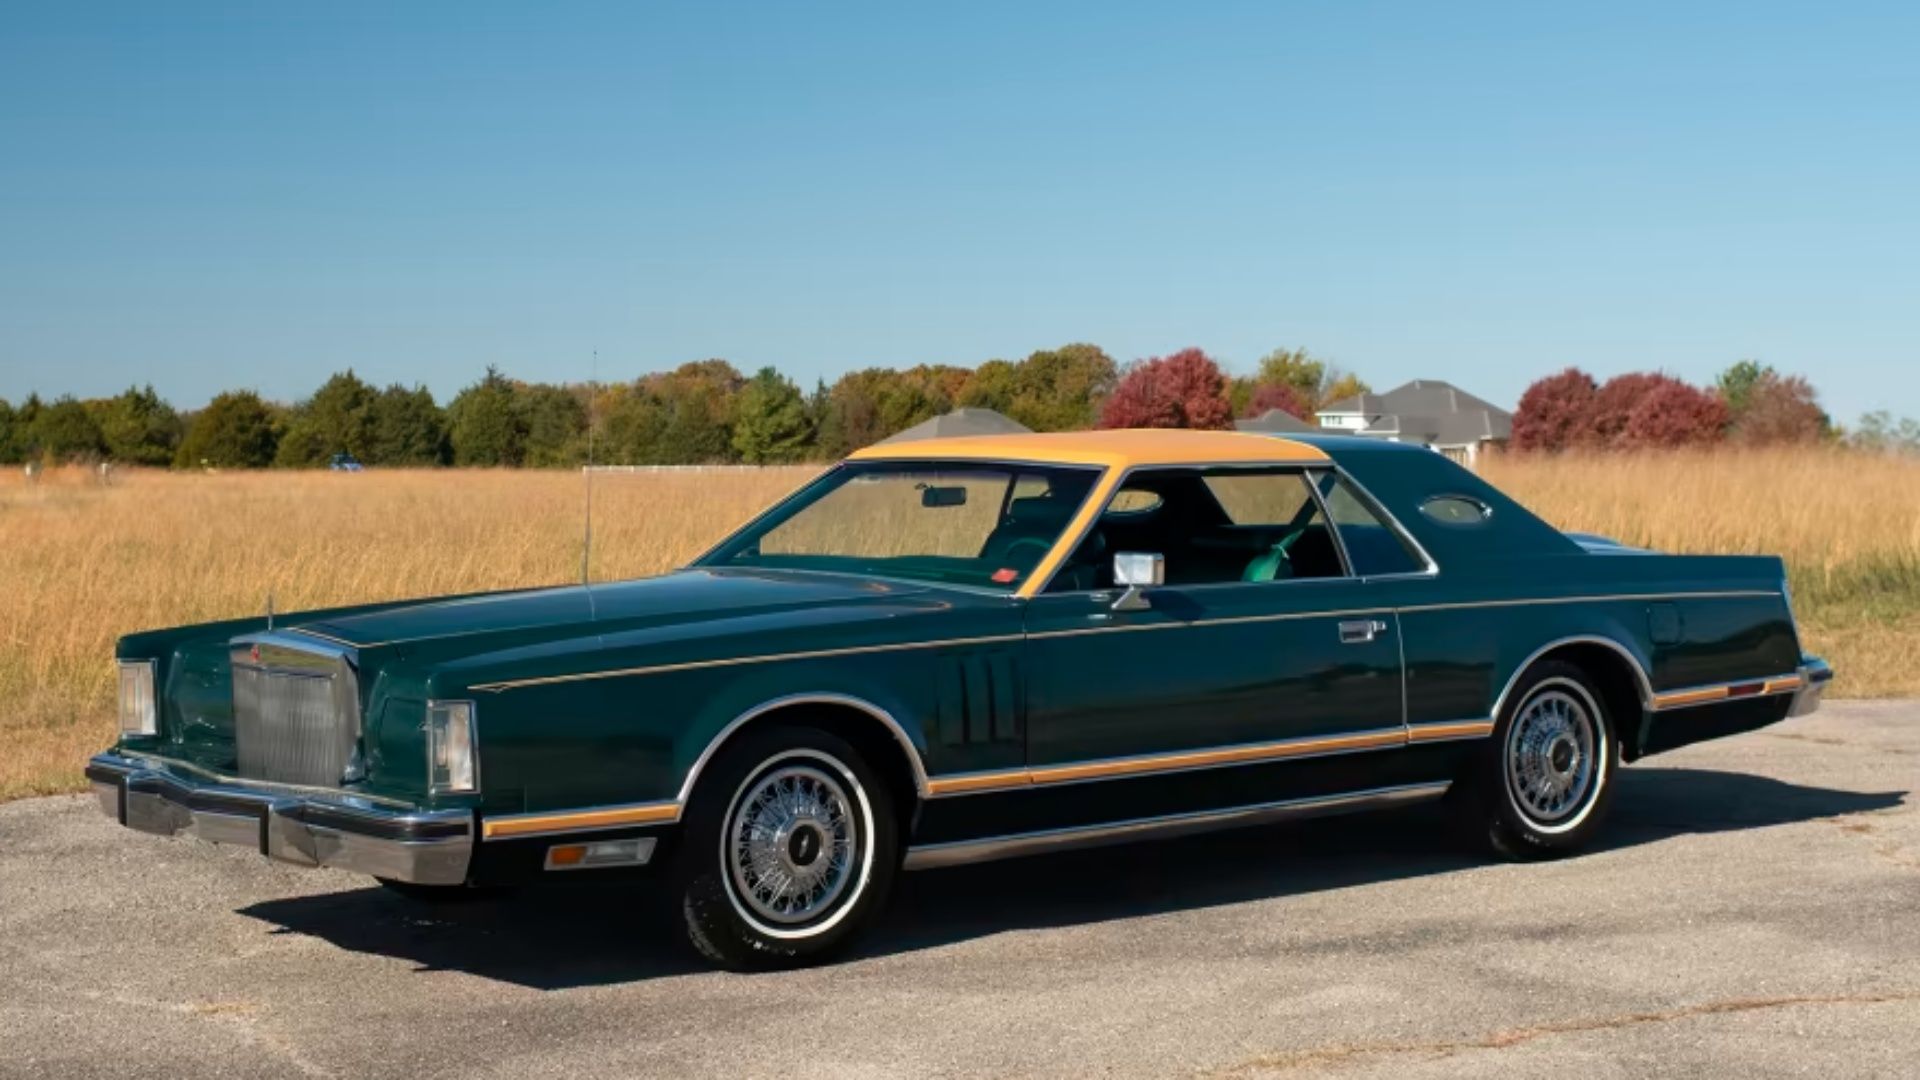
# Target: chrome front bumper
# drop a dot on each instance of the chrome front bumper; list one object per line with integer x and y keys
{"x": 299, "y": 827}
{"x": 1814, "y": 677}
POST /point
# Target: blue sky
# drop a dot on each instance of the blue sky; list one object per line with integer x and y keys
{"x": 205, "y": 197}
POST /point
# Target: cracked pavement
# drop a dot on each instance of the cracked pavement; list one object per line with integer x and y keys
{"x": 1754, "y": 910}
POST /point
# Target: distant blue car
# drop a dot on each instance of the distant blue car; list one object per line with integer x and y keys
{"x": 345, "y": 463}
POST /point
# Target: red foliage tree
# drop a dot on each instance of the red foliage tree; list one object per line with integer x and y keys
{"x": 1778, "y": 410}
{"x": 1269, "y": 396}
{"x": 1614, "y": 405}
{"x": 1184, "y": 390}
{"x": 1555, "y": 412}
{"x": 1675, "y": 414}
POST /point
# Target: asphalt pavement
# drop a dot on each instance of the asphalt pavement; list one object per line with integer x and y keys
{"x": 1754, "y": 911}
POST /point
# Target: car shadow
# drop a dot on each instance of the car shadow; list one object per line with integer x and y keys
{"x": 585, "y": 933}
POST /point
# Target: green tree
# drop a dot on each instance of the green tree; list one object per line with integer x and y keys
{"x": 995, "y": 385}
{"x": 1295, "y": 368}
{"x": 697, "y": 400}
{"x": 868, "y": 405}
{"x": 406, "y": 428}
{"x": 555, "y": 419}
{"x": 1881, "y": 430}
{"x": 8, "y": 454}
{"x": 235, "y": 431}
{"x": 632, "y": 423}
{"x": 845, "y": 417}
{"x": 1313, "y": 382}
{"x": 483, "y": 425}
{"x": 23, "y": 446}
{"x": 770, "y": 421}
{"x": 1736, "y": 385}
{"x": 1061, "y": 389}
{"x": 66, "y": 431}
{"x": 139, "y": 428}
{"x": 1341, "y": 385}
{"x": 337, "y": 419}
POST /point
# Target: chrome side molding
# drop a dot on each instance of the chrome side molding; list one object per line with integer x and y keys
{"x": 959, "y": 852}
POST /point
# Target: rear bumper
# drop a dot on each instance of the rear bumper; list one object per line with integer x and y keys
{"x": 306, "y": 829}
{"x": 1814, "y": 677}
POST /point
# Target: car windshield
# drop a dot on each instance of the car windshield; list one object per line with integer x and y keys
{"x": 961, "y": 523}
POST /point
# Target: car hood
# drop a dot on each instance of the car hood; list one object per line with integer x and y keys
{"x": 686, "y": 596}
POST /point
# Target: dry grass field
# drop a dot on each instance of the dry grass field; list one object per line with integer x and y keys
{"x": 82, "y": 562}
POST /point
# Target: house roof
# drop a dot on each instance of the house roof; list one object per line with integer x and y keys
{"x": 1112, "y": 449}
{"x": 1429, "y": 411}
{"x": 1429, "y": 397}
{"x": 1276, "y": 420}
{"x": 960, "y": 422}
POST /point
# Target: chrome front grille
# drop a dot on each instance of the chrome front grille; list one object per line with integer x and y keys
{"x": 296, "y": 712}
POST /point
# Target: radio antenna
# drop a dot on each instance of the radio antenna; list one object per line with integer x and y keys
{"x": 586, "y": 542}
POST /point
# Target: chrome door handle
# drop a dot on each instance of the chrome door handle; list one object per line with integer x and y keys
{"x": 1361, "y": 631}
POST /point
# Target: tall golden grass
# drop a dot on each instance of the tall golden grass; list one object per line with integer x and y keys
{"x": 1846, "y": 522}
{"x": 82, "y": 562}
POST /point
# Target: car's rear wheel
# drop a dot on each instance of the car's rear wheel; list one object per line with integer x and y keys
{"x": 1544, "y": 782}
{"x": 791, "y": 845}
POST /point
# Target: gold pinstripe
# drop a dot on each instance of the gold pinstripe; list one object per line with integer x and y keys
{"x": 502, "y": 828}
{"x": 854, "y": 650}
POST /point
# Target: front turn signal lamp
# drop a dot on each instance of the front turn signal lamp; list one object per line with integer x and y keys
{"x": 453, "y": 753}
{"x": 139, "y": 714}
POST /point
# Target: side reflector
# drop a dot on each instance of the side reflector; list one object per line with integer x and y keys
{"x": 632, "y": 852}
{"x": 139, "y": 714}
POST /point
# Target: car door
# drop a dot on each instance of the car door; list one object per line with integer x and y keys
{"x": 1260, "y": 636}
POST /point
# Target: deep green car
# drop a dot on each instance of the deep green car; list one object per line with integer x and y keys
{"x": 966, "y": 649}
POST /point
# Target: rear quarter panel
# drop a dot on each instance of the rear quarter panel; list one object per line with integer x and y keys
{"x": 1509, "y": 586}
{"x": 1686, "y": 621}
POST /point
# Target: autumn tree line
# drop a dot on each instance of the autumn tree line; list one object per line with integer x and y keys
{"x": 704, "y": 412}
{"x": 709, "y": 412}
{"x": 1749, "y": 404}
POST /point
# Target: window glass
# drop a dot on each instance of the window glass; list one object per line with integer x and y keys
{"x": 1455, "y": 510}
{"x": 1133, "y": 501}
{"x": 974, "y": 525}
{"x": 883, "y": 516}
{"x": 1372, "y": 546}
{"x": 1261, "y": 498}
{"x": 1212, "y": 527}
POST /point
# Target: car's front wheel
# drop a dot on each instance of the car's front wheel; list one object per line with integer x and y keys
{"x": 791, "y": 844}
{"x": 1545, "y": 779}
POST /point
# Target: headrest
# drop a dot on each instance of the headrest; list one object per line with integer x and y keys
{"x": 1039, "y": 510}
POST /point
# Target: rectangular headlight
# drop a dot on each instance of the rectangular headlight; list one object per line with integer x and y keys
{"x": 453, "y": 754}
{"x": 138, "y": 713}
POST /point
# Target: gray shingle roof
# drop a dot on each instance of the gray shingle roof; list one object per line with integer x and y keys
{"x": 1427, "y": 411}
{"x": 1275, "y": 420}
{"x": 960, "y": 422}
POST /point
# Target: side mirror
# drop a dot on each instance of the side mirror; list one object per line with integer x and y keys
{"x": 1137, "y": 571}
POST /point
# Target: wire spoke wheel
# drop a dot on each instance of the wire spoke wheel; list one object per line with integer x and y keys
{"x": 792, "y": 844}
{"x": 1552, "y": 757}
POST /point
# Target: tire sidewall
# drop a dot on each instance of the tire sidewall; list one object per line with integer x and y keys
{"x": 1512, "y": 829}
{"x": 720, "y": 923}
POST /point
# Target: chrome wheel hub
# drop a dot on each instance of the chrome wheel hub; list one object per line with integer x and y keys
{"x": 1551, "y": 756}
{"x": 791, "y": 843}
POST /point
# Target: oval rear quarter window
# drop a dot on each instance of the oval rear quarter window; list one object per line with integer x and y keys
{"x": 1456, "y": 510}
